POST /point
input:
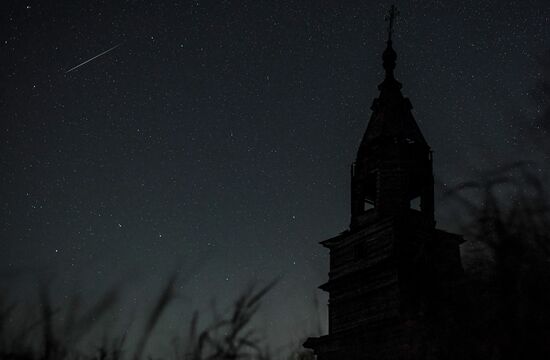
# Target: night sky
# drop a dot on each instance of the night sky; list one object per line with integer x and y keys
{"x": 217, "y": 137}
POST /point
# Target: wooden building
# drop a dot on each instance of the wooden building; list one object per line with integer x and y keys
{"x": 393, "y": 276}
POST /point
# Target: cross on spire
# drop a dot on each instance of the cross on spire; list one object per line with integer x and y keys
{"x": 389, "y": 56}
{"x": 392, "y": 14}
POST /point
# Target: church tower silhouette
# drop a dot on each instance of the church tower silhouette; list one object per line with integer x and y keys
{"x": 392, "y": 274}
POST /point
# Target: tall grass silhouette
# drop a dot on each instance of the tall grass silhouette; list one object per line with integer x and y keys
{"x": 229, "y": 336}
{"x": 506, "y": 311}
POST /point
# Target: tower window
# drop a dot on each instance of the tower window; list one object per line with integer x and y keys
{"x": 415, "y": 203}
{"x": 367, "y": 205}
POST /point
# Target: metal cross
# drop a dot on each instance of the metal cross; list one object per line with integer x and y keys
{"x": 392, "y": 14}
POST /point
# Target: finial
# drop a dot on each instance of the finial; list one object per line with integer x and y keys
{"x": 392, "y": 14}
{"x": 389, "y": 56}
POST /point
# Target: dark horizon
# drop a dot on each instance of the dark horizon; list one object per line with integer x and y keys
{"x": 217, "y": 138}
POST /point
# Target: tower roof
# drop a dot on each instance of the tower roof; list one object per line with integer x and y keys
{"x": 392, "y": 118}
{"x": 393, "y": 166}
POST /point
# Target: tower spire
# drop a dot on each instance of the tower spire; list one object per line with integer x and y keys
{"x": 390, "y": 17}
{"x": 390, "y": 56}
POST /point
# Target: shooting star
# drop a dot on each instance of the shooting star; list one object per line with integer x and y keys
{"x": 95, "y": 57}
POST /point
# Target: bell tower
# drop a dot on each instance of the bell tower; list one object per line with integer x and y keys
{"x": 393, "y": 166}
{"x": 392, "y": 272}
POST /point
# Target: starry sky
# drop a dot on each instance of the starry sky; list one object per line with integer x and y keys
{"x": 217, "y": 137}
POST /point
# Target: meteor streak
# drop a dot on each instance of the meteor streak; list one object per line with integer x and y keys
{"x": 95, "y": 57}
